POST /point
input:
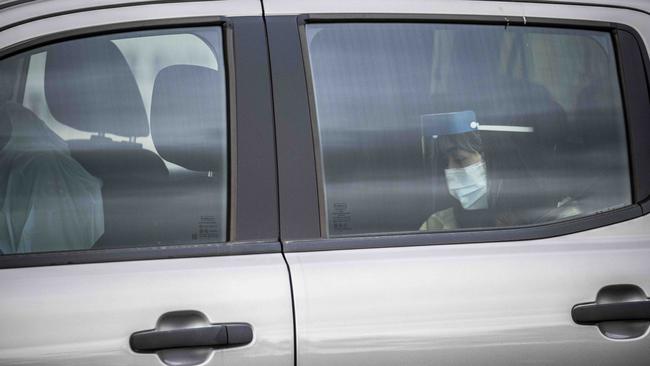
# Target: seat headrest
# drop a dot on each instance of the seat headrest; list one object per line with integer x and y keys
{"x": 90, "y": 87}
{"x": 188, "y": 121}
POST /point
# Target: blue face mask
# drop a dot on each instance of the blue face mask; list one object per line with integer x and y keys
{"x": 468, "y": 185}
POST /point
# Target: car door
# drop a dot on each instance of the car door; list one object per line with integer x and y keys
{"x": 139, "y": 204}
{"x": 400, "y": 253}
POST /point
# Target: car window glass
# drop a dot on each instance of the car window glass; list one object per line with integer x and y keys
{"x": 120, "y": 142}
{"x": 430, "y": 127}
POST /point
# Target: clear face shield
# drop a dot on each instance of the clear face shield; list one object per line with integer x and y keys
{"x": 452, "y": 151}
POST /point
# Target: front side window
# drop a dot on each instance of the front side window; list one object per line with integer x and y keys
{"x": 430, "y": 127}
{"x": 117, "y": 140}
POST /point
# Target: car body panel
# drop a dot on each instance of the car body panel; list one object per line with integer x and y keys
{"x": 498, "y": 303}
{"x": 473, "y": 304}
{"x": 79, "y": 20}
{"x": 490, "y": 303}
{"x": 85, "y": 314}
{"x": 21, "y": 11}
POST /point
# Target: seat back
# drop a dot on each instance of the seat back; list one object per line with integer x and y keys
{"x": 90, "y": 87}
{"x": 188, "y": 117}
{"x": 49, "y": 201}
{"x": 188, "y": 126}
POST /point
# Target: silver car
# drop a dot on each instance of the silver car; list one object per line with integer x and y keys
{"x": 305, "y": 183}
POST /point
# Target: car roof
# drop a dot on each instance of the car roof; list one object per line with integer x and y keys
{"x": 19, "y": 11}
{"x": 641, "y": 5}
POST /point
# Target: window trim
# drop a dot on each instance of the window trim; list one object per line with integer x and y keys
{"x": 118, "y": 27}
{"x": 240, "y": 240}
{"x": 638, "y": 131}
{"x": 539, "y": 231}
{"x": 468, "y": 236}
{"x": 298, "y": 197}
{"x": 39, "y": 259}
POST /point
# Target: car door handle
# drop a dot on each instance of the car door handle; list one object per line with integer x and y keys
{"x": 213, "y": 336}
{"x": 593, "y": 313}
{"x": 620, "y": 312}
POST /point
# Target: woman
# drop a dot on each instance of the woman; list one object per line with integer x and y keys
{"x": 489, "y": 187}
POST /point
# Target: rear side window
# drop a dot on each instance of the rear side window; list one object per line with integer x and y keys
{"x": 120, "y": 141}
{"x": 433, "y": 127}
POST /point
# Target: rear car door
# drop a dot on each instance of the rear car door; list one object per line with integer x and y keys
{"x": 139, "y": 199}
{"x": 474, "y": 184}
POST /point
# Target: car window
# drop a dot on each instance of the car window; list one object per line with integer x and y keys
{"x": 120, "y": 141}
{"x": 433, "y": 127}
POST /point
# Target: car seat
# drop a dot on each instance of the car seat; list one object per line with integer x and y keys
{"x": 48, "y": 201}
{"x": 189, "y": 127}
{"x": 90, "y": 87}
{"x": 601, "y": 156}
{"x": 531, "y": 166}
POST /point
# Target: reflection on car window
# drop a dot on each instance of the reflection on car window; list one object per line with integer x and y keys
{"x": 445, "y": 126}
{"x": 120, "y": 142}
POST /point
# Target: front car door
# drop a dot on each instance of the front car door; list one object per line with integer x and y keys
{"x": 480, "y": 192}
{"x": 139, "y": 203}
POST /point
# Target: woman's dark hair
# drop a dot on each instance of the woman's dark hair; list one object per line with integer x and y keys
{"x": 501, "y": 163}
{"x": 469, "y": 141}
{"x": 438, "y": 158}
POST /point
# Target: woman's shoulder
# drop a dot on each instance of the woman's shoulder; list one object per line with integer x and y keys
{"x": 441, "y": 220}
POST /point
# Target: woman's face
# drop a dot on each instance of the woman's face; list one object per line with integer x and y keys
{"x": 459, "y": 158}
{"x": 466, "y": 180}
